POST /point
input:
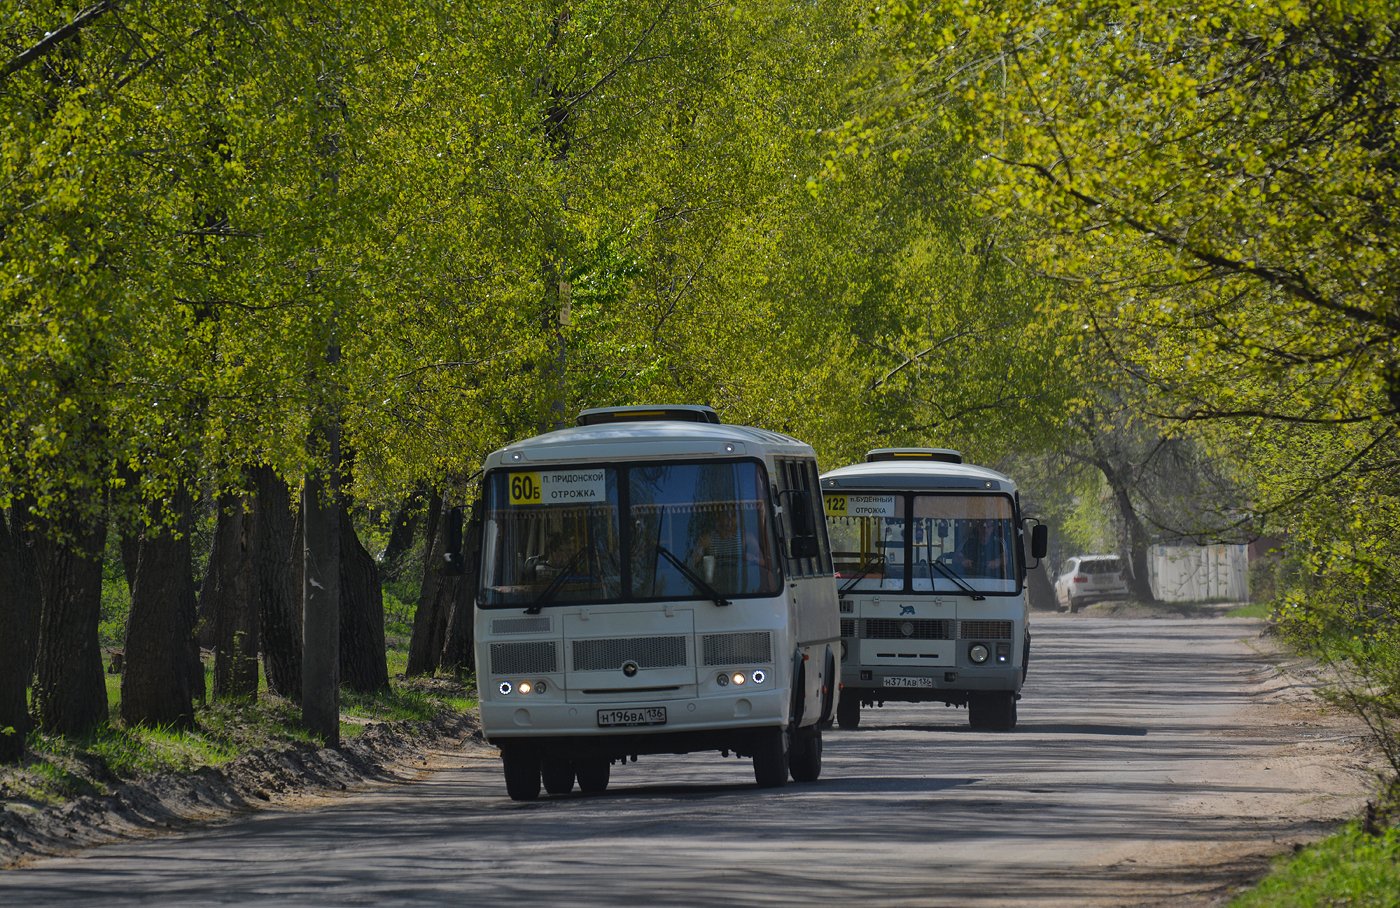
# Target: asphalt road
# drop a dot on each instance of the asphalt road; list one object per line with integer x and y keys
{"x": 1157, "y": 762}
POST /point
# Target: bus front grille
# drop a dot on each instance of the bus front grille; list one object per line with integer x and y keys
{"x": 848, "y": 627}
{"x": 647, "y": 652}
{"x": 529, "y": 657}
{"x": 986, "y": 630}
{"x": 755, "y": 647}
{"x": 906, "y": 629}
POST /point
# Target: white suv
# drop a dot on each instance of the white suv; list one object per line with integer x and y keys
{"x": 1090, "y": 578}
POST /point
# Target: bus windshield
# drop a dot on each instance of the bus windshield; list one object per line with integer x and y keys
{"x": 699, "y": 530}
{"x": 948, "y": 543}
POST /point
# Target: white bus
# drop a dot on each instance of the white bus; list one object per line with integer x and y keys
{"x": 653, "y": 581}
{"x": 930, "y": 565}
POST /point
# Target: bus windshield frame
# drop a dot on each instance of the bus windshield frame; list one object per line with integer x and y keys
{"x": 940, "y": 543}
{"x": 641, "y": 531}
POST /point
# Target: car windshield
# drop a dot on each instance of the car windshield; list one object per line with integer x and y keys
{"x": 1099, "y": 566}
{"x": 692, "y": 531}
{"x": 948, "y": 543}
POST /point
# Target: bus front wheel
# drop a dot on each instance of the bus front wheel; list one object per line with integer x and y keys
{"x": 770, "y": 757}
{"x": 593, "y": 774}
{"x": 805, "y": 762}
{"x": 558, "y": 775}
{"x": 522, "y": 769}
{"x": 848, "y": 711}
{"x": 992, "y": 710}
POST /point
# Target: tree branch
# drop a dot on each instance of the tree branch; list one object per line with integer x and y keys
{"x": 56, "y": 38}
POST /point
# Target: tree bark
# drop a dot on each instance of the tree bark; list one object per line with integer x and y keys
{"x": 457, "y": 653}
{"x": 363, "y": 665}
{"x": 276, "y": 582}
{"x": 70, "y": 693}
{"x": 402, "y": 532}
{"x": 434, "y": 599}
{"x": 157, "y": 682}
{"x": 228, "y": 598}
{"x": 19, "y": 617}
{"x": 320, "y": 608}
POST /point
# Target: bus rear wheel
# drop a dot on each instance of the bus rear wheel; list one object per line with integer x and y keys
{"x": 593, "y": 774}
{"x": 805, "y": 763}
{"x": 558, "y": 775}
{"x": 848, "y": 711}
{"x": 992, "y": 710}
{"x": 770, "y": 757}
{"x": 522, "y": 769}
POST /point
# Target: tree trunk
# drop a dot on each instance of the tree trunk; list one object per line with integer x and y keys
{"x": 363, "y": 666}
{"x": 19, "y": 617}
{"x": 157, "y": 686}
{"x": 1040, "y": 589}
{"x": 1138, "y": 542}
{"x": 276, "y": 582}
{"x": 434, "y": 598}
{"x": 228, "y": 597}
{"x": 70, "y": 693}
{"x": 402, "y": 532}
{"x": 320, "y": 608}
{"x": 457, "y": 654}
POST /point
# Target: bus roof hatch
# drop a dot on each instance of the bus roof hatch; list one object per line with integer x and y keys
{"x": 940, "y": 455}
{"x": 663, "y": 412}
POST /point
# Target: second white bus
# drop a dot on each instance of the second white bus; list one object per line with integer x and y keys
{"x": 931, "y": 564}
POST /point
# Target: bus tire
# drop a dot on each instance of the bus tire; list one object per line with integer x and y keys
{"x": 522, "y": 770}
{"x": 991, "y": 710}
{"x": 593, "y": 774}
{"x": 805, "y": 763}
{"x": 848, "y": 711}
{"x": 770, "y": 757}
{"x": 558, "y": 775}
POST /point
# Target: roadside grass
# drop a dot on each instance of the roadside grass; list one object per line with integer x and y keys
{"x": 58, "y": 769}
{"x": 1251, "y": 610}
{"x": 1350, "y": 868}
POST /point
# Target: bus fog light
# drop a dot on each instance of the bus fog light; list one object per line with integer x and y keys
{"x": 738, "y": 678}
{"x": 722, "y": 680}
{"x": 758, "y": 677}
{"x": 978, "y": 653}
{"x": 1003, "y": 652}
{"x": 506, "y": 687}
{"x": 526, "y": 687}
{"x": 539, "y": 687}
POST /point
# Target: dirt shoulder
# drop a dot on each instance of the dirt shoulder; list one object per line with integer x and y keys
{"x": 299, "y": 775}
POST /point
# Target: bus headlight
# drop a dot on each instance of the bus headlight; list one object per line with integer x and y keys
{"x": 978, "y": 653}
{"x": 758, "y": 676}
{"x": 526, "y": 687}
{"x": 738, "y": 678}
{"x": 506, "y": 687}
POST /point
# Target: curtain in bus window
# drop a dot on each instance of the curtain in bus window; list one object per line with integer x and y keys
{"x": 963, "y": 538}
{"x": 867, "y": 540}
{"x": 711, "y": 517}
{"x": 551, "y": 537}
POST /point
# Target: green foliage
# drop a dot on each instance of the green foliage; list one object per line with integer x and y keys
{"x": 1351, "y": 868}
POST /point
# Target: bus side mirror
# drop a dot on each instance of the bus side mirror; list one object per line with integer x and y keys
{"x": 1040, "y": 540}
{"x": 453, "y": 560}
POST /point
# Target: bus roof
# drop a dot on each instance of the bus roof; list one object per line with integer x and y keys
{"x": 916, "y": 475}
{"x": 646, "y": 440}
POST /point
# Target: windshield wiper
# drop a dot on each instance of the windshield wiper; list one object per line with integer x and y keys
{"x": 957, "y": 579}
{"x": 693, "y": 577}
{"x": 555, "y": 584}
{"x": 878, "y": 560}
